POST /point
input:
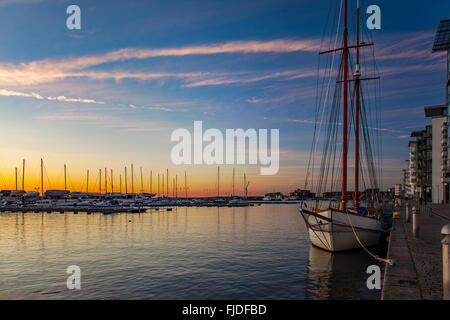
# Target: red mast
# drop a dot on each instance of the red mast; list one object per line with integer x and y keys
{"x": 344, "y": 139}
{"x": 357, "y": 82}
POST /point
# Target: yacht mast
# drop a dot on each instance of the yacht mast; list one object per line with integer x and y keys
{"x": 42, "y": 176}
{"x": 65, "y": 179}
{"x": 112, "y": 182}
{"x": 132, "y": 179}
{"x": 233, "y": 184}
{"x": 344, "y": 119}
{"x": 142, "y": 183}
{"x": 126, "y": 189}
{"x": 23, "y": 175}
{"x": 151, "y": 182}
{"x": 357, "y": 84}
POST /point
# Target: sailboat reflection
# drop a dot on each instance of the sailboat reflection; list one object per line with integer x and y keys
{"x": 340, "y": 276}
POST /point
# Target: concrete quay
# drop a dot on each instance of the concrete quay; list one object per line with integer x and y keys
{"x": 417, "y": 271}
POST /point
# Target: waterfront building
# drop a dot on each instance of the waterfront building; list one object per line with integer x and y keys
{"x": 398, "y": 190}
{"x": 427, "y": 161}
{"x": 442, "y": 44}
{"x": 412, "y": 168}
{"x": 302, "y": 194}
{"x": 439, "y": 187}
{"x": 424, "y": 162}
{"x": 406, "y": 186}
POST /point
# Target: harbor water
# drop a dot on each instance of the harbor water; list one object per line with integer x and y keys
{"x": 259, "y": 252}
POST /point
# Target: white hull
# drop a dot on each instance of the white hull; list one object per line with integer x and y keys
{"x": 334, "y": 230}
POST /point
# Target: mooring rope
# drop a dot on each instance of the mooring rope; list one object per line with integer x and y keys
{"x": 388, "y": 261}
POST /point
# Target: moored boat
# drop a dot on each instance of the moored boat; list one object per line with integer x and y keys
{"x": 341, "y": 224}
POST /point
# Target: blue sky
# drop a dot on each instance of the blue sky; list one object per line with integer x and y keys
{"x": 139, "y": 69}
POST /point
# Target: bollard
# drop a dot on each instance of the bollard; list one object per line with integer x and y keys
{"x": 408, "y": 212}
{"x": 446, "y": 261}
{"x": 415, "y": 221}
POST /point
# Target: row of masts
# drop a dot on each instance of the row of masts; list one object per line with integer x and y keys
{"x": 162, "y": 185}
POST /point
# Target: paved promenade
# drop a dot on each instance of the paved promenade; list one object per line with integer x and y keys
{"x": 417, "y": 272}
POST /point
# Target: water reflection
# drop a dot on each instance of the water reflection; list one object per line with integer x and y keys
{"x": 260, "y": 252}
{"x": 340, "y": 275}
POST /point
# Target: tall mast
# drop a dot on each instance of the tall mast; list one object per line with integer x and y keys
{"x": 106, "y": 182}
{"x": 344, "y": 136}
{"x": 65, "y": 179}
{"x": 126, "y": 188}
{"x": 176, "y": 186}
{"x": 245, "y": 183}
{"x": 87, "y": 181}
{"x": 151, "y": 178}
{"x": 132, "y": 179}
{"x": 42, "y": 176}
{"x": 142, "y": 183}
{"x": 162, "y": 185}
{"x": 357, "y": 83}
{"x": 120, "y": 182}
{"x": 185, "y": 185}
{"x": 99, "y": 180}
{"x": 167, "y": 186}
{"x": 16, "y": 177}
{"x": 218, "y": 181}
{"x": 112, "y": 182}
{"x": 158, "y": 185}
{"x": 23, "y": 175}
{"x": 233, "y": 183}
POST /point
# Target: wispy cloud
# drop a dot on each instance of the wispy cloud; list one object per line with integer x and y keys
{"x": 107, "y": 121}
{"x": 49, "y": 70}
{"x": 10, "y": 93}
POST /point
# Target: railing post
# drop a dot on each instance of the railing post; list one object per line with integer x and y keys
{"x": 446, "y": 261}
{"x": 408, "y": 212}
{"x": 415, "y": 221}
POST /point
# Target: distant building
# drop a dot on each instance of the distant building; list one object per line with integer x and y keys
{"x": 274, "y": 196}
{"x": 412, "y": 169}
{"x": 302, "y": 194}
{"x": 398, "y": 190}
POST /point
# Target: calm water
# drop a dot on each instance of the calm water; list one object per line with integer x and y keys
{"x": 260, "y": 252}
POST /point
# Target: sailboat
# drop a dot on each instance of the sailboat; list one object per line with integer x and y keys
{"x": 336, "y": 222}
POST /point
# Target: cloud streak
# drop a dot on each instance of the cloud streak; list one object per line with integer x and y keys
{"x": 49, "y": 70}
{"x": 10, "y": 93}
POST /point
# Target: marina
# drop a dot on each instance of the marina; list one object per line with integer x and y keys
{"x": 220, "y": 152}
{"x": 188, "y": 253}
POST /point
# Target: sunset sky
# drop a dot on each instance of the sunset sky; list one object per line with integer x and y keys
{"x": 111, "y": 94}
